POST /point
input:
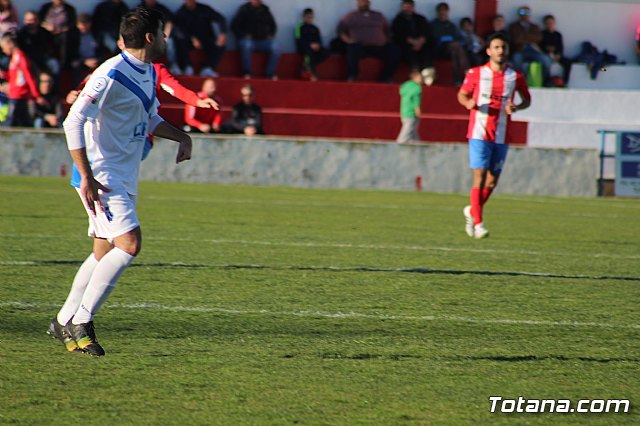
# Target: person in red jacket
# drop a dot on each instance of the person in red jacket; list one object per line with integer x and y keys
{"x": 206, "y": 120}
{"x": 21, "y": 84}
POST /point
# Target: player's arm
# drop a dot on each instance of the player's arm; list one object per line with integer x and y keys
{"x": 523, "y": 91}
{"x": 172, "y": 86}
{"x": 162, "y": 129}
{"x": 466, "y": 99}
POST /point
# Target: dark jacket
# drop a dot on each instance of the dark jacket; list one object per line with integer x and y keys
{"x": 306, "y": 34}
{"x": 415, "y": 25}
{"x": 38, "y": 47}
{"x": 198, "y": 22}
{"x": 552, "y": 42}
{"x": 246, "y": 115}
{"x": 106, "y": 17}
{"x": 256, "y": 22}
{"x": 70, "y": 11}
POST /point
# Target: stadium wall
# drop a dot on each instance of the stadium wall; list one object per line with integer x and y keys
{"x": 321, "y": 164}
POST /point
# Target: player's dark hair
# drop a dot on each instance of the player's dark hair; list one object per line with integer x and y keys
{"x": 136, "y": 24}
{"x": 496, "y": 36}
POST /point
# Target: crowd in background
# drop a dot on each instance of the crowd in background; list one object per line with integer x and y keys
{"x": 55, "y": 40}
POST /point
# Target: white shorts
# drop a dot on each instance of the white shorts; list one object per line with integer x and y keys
{"x": 118, "y": 218}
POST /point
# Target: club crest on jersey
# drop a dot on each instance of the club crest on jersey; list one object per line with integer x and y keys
{"x": 99, "y": 85}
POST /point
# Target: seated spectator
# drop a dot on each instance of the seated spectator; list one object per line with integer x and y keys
{"x": 246, "y": 117}
{"x": 106, "y": 23}
{"x": 449, "y": 43}
{"x": 473, "y": 44}
{"x": 309, "y": 44}
{"x": 49, "y": 114}
{"x": 412, "y": 33}
{"x": 21, "y": 84}
{"x": 255, "y": 29}
{"x": 366, "y": 33}
{"x": 638, "y": 43}
{"x": 499, "y": 26}
{"x": 525, "y": 44}
{"x": 205, "y": 120}
{"x": 194, "y": 30}
{"x": 58, "y": 17}
{"x": 37, "y": 43}
{"x": 8, "y": 17}
{"x": 85, "y": 52}
{"x": 553, "y": 45}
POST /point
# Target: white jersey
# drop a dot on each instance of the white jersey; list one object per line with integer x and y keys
{"x": 117, "y": 101}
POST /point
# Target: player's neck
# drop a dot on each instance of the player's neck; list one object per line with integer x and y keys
{"x": 140, "y": 54}
{"x": 497, "y": 66}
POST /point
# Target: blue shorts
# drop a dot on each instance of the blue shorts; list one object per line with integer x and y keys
{"x": 487, "y": 155}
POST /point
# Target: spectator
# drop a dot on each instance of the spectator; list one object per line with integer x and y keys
{"x": 449, "y": 43}
{"x": 473, "y": 44}
{"x": 309, "y": 43}
{"x": 106, "y": 23}
{"x": 49, "y": 114}
{"x": 247, "y": 116}
{"x": 194, "y": 30}
{"x": 255, "y": 28}
{"x": 21, "y": 84}
{"x": 498, "y": 27}
{"x": 525, "y": 44}
{"x": 366, "y": 33}
{"x": 8, "y": 17}
{"x": 553, "y": 45}
{"x": 37, "y": 43}
{"x": 410, "y": 99}
{"x": 85, "y": 52}
{"x": 205, "y": 120}
{"x": 412, "y": 33}
{"x": 638, "y": 43}
{"x": 58, "y": 17}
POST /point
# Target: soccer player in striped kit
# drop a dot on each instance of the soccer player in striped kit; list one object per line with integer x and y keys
{"x": 488, "y": 93}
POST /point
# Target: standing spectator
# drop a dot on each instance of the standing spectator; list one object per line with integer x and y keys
{"x": 106, "y": 23}
{"x": 255, "y": 29}
{"x": 49, "y": 114}
{"x": 8, "y": 17}
{"x": 488, "y": 93}
{"x": 366, "y": 33}
{"x": 410, "y": 99}
{"x": 58, "y": 17}
{"x": 38, "y": 44}
{"x": 553, "y": 45}
{"x": 246, "y": 116}
{"x": 473, "y": 44}
{"x": 525, "y": 43}
{"x": 309, "y": 43}
{"x": 86, "y": 53}
{"x": 411, "y": 31}
{"x": 449, "y": 42}
{"x": 205, "y": 120}
{"x": 22, "y": 85}
{"x": 194, "y": 30}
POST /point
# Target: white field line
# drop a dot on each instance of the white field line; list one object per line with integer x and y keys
{"x": 336, "y": 315}
{"x": 353, "y": 246}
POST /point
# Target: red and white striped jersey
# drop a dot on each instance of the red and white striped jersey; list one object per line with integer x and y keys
{"x": 491, "y": 90}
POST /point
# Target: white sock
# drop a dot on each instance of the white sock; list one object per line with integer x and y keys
{"x": 103, "y": 280}
{"x": 77, "y": 289}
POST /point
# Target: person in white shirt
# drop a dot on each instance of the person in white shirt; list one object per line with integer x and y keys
{"x": 105, "y": 130}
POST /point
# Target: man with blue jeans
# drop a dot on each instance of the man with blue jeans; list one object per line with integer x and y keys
{"x": 255, "y": 29}
{"x": 525, "y": 40}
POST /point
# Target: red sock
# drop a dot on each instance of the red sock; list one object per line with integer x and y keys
{"x": 486, "y": 193}
{"x": 476, "y": 205}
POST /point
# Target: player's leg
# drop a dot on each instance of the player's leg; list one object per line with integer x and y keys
{"x": 120, "y": 223}
{"x": 479, "y": 162}
{"x": 498, "y": 158}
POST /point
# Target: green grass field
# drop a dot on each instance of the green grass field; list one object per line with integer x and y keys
{"x": 254, "y": 305}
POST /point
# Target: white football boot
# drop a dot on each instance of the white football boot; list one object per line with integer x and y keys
{"x": 469, "y": 221}
{"x": 479, "y": 231}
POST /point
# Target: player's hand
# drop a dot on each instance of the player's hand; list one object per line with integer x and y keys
{"x": 510, "y": 107}
{"x": 72, "y": 96}
{"x": 89, "y": 190}
{"x": 184, "y": 150}
{"x": 207, "y": 103}
{"x": 471, "y": 104}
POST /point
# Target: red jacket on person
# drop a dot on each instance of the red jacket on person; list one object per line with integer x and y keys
{"x": 22, "y": 85}
{"x": 194, "y": 116}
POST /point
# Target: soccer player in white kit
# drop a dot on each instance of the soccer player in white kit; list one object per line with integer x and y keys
{"x": 106, "y": 130}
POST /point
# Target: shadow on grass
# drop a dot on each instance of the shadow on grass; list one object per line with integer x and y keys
{"x": 356, "y": 269}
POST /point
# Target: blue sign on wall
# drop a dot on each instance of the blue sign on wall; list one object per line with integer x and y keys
{"x": 628, "y": 164}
